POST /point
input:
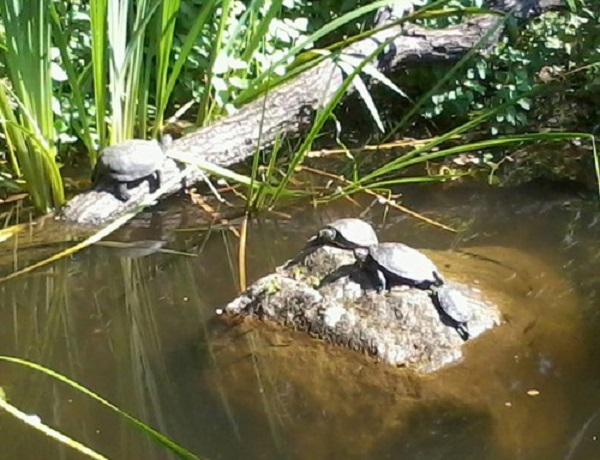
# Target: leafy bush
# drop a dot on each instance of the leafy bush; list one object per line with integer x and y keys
{"x": 546, "y": 49}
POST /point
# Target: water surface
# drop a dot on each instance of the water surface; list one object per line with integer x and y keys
{"x": 142, "y": 333}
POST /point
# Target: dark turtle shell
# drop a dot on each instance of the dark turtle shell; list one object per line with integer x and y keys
{"x": 347, "y": 233}
{"x": 455, "y": 306}
{"x": 397, "y": 263}
{"x": 129, "y": 162}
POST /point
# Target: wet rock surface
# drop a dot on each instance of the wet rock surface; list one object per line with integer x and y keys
{"x": 323, "y": 292}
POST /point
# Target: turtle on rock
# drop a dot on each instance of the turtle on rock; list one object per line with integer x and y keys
{"x": 347, "y": 233}
{"x": 393, "y": 264}
{"x": 455, "y": 307}
{"x": 129, "y": 163}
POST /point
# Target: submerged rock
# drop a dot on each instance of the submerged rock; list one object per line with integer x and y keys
{"x": 325, "y": 293}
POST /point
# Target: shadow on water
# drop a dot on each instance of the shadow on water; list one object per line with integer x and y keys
{"x": 142, "y": 333}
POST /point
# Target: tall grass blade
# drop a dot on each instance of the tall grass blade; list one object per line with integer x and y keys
{"x": 61, "y": 39}
{"x": 267, "y": 75}
{"x": 186, "y": 48}
{"x": 155, "y": 435}
{"x": 28, "y": 48}
{"x": 242, "y": 252}
{"x": 166, "y": 30}
{"x": 323, "y": 115}
{"x": 13, "y": 131}
{"x": 98, "y": 17}
{"x": 596, "y": 163}
{"x": 205, "y": 103}
{"x": 261, "y": 29}
{"x": 34, "y": 422}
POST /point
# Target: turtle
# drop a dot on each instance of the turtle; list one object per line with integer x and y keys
{"x": 454, "y": 305}
{"x": 346, "y": 233}
{"x": 398, "y": 264}
{"x": 130, "y": 162}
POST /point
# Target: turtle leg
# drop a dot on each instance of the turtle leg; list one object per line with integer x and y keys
{"x": 463, "y": 331}
{"x": 381, "y": 281}
{"x": 461, "y": 327}
{"x": 438, "y": 279}
{"x": 156, "y": 181}
{"x": 121, "y": 191}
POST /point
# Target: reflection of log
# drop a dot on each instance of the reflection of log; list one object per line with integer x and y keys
{"x": 287, "y": 109}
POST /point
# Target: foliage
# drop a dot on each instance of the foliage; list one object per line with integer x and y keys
{"x": 549, "y": 48}
{"x": 120, "y": 69}
{"x": 115, "y": 69}
{"x": 26, "y": 104}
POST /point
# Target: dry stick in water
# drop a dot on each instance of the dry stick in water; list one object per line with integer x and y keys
{"x": 381, "y": 198}
{"x": 242, "y": 252}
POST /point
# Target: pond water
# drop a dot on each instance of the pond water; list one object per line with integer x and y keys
{"x": 142, "y": 333}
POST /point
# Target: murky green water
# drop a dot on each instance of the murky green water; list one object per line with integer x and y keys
{"x": 142, "y": 333}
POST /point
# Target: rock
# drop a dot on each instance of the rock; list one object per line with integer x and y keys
{"x": 324, "y": 293}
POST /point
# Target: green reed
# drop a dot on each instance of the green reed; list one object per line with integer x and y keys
{"x": 26, "y": 101}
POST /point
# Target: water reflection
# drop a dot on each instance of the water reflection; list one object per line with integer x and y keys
{"x": 141, "y": 331}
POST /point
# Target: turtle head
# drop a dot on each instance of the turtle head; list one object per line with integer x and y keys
{"x": 326, "y": 235}
{"x": 166, "y": 140}
{"x": 360, "y": 254}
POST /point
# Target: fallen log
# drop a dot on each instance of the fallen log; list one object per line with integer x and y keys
{"x": 287, "y": 110}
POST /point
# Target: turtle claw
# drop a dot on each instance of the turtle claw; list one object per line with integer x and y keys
{"x": 382, "y": 283}
{"x": 157, "y": 181}
{"x": 463, "y": 331}
{"x": 121, "y": 192}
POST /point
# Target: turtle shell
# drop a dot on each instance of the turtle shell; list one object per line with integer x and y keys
{"x": 129, "y": 161}
{"x": 404, "y": 265}
{"x": 454, "y": 303}
{"x": 455, "y": 306}
{"x": 348, "y": 233}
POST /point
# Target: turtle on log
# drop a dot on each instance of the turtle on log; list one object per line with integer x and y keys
{"x": 394, "y": 264}
{"x": 128, "y": 164}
